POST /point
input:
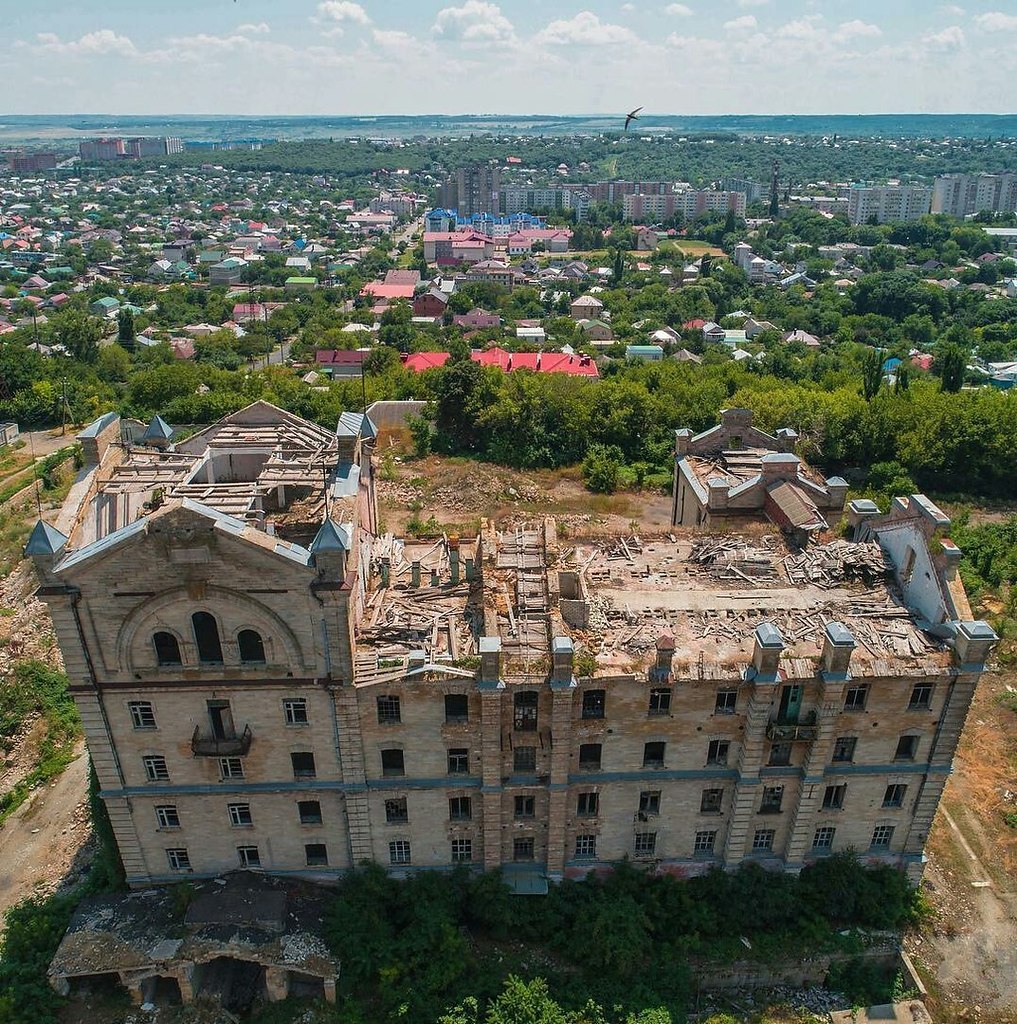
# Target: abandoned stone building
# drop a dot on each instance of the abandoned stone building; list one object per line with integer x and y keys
{"x": 269, "y": 681}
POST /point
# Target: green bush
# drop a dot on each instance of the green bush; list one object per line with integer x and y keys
{"x": 602, "y": 468}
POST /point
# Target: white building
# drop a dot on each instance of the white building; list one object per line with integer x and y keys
{"x": 962, "y": 195}
{"x": 887, "y": 203}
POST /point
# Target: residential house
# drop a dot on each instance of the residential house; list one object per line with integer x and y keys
{"x": 595, "y": 330}
{"x": 302, "y": 284}
{"x": 476, "y": 319}
{"x": 230, "y": 271}
{"x": 105, "y": 307}
{"x": 586, "y": 307}
{"x": 431, "y": 303}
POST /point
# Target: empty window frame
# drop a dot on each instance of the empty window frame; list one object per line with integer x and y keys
{"x": 316, "y": 855}
{"x": 399, "y": 851}
{"x": 388, "y": 710}
{"x": 589, "y": 756}
{"x": 303, "y": 765}
{"x": 727, "y": 702}
{"x": 523, "y": 848}
{"x": 780, "y": 753}
{"x": 155, "y": 768}
{"x": 762, "y": 841}
{"x": 457, "y": 708}
{"x": 907, "y": 748}
{"x": 773, "y": 797}
{"x": 167, "y": 817}
{"x": 833, "y": 797}
{"x": 179, "y": 859}
{"x": 459, "y": 761}
{"x": 823, "y": 838}
{"x": 586, "y": 847}
{"x": 309, "y": 811}
{"x": 587, "y": 805}
{"x": 460, "y": 808}
{"x": 921, "y": 697}
{"x": 206, "y": 637}
{"x": 855, "y": 698}
{"x": 653, "y": 754}
{"x": 704, "y": 841}
{"x": 396, "y": 812}
{"x": 525, "y": 806}
{"x": 524, "y": 717}
{"x": 717, "y": 751}
{"x": 251, "y": 647}
{"x": 295, "y": 711}
{"x": 462, "y": 851}
{"x": 882, "y": 836}
{"x": 645, "y": 844}
{"x": 392, "y": 762}
{"x": 649, "y": 802}
{"x": 594, "y": 703}
{"x": 142, "y": 714}
{"x": 231, "y": 767}
{"x": 712, "y": 801}
{"x": 844, "y": 748}
{"x": 893, "y": 795}
{"x": 524, "y": 759}
{"x": 240, "y": 815}
{"x": 660, "y": 701}
{"x": 167, "y": 648}
{"x": 249, "y": 856}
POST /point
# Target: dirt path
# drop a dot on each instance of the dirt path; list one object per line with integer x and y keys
{"x": 44, "y": 840}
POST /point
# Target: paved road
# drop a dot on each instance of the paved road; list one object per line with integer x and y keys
{"x": 405, "y": 235}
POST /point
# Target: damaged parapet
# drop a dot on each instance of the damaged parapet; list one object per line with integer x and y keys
{"x": 973, "y": 644}
{"x": 330, "y": 548}
{"x": 572, "y": 603}
{"x": 838, "y": 644}
{"x": 663, "y": 667}
{"x": 562, "y": 663}
{"x": 766, "y": 651}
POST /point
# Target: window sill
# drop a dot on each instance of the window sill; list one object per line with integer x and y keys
{"x": 391, "y": 721}
{"x": 297, "y": 725}
{"x": 311, "y": 824}
{"x": 301, "y": 778}
{"x": 235, "y": 826}
{"x": 654, "y": 767}
{"x": 397, "y": 821}
{"x": 770, "y": 810}
{"x": 711, "y": 814}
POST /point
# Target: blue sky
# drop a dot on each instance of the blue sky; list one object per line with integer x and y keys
{"x": 512, "y": 56}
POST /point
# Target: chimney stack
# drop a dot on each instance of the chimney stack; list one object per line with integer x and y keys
{"x": 766, "y": 652}
{"x": 838, "y": 643}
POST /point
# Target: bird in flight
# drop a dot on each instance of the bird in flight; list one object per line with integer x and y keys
{"x": 633, "y": 116}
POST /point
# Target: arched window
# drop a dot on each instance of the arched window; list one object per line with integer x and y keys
{"x": 206, "y": 636}
{"x": 167, "y": 650}
{"x": 252, "y": 648}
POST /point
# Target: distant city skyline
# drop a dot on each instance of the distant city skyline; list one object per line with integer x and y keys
{"x": 322, "y": 57}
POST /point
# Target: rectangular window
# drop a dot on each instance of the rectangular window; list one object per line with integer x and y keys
{"x": 833, "y": 798}
{"x": 882, "y": 836}
{"x": 396, "y": 811}
{"x": 295, "y": 711}
{"x": 893, "y": 796}
{"x": 249, "y": 856}
{"x": 524, "y": 759}
{"x": 526, "y": 806}
{"x": 178, "y": 860}
{"x": 855, "y": 698}
{"x": 399, "y": 852}
{"x": 462, "y": 851}
{"x": 167, "y": 816}
{"x": 586, "y": 847}
{"x": 459, "y": 761}
{"x": 660, "y": 700}
{"x": 142, "y": 714}
{"x": 587, "y": 805}
{"x": 240, "y": 815}
{"x": 155, "y": 768}
{"x": 907, "y": 748}
{"x": 711, "y": 801}
{"x": 773, "y": 797}
{"x": 921, "y": 697}
{"x": 844, "y": 748}
{"x": 780, "y": 753}
{"x": 704, "y": 841}
{"x": 522, "y": 848}
{"x": 231, "y": 767}
{"x": 649, "y": 802}
{"x": 460, "y": 808}
{"x": 593, "y": 703}
{"x": 762, "y": 841}
{"x": 392, "y": 762}
{"x": 589, "y": 756}
{"x": 310, "y": 812}
{"x": 457, "y": 708}
{"x": 388, "y": 710}
{"x": 823, "y": 839}
{"x": 303, "y": 764}
{"x": 716, "y": 752}
{"x": 645, "y": 844}
{"x": 525, "y": 711}
{"x": 727, "y": 702}
{"x": 653, "y": 755}
{"x": 316, "y": 855}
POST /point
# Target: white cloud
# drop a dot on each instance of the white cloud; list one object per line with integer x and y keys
{"x": 803, "y": 28}
{"x": 477, "y": 21}
{"x": 628, "y": 8}
{"x": 679, "y": 10}
{"x": 102, "y": 41}
{"x": 752, "y": 3}
{"x": 856, "y": 29}
{"x": 742, "y": 24}
{"x": 333, "y": 14}
{"x": 953, "y": 10}
{"x": 949, "y": 39}
{"x": 997, "y": 21}
{"x": 585, "y": 29}
{"x": 253, "y": 29}
{"x": 393, "y": 39}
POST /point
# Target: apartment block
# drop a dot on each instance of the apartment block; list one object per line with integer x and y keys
{"x": 529, "y": 200}
{"x": 963, "y": 195}
{"x": 269, "y": 682}
{"x": 689, "y": 203}
{"x": 887, "y": 203}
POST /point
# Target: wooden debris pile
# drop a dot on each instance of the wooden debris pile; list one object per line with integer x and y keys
{"x": 829, "y": 565}
{"x": 733, "y": 559}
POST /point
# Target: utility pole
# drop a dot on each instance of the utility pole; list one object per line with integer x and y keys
{"x": 64, "y": 408}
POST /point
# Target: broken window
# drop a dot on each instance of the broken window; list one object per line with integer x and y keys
{"x": 315, "y": 855}
{"x": 251, "y": 646}
{"x": 457, "y": 708}
{"x": 589, "y": 756}
{"x": 844, "y": 748}
{"x": 727, "y": 702}
{"x": 295, "y": 711}
{"x": 716, "y": 752}
{"x": 855, "y": 698}
{"x": 593, "y": 703}
{"x": 522, "y": 848}
{"x": 909, "y": 564}
{"x": 645, "y": 844}
{"x": 762, "y": 841}
{"x": 388, "y": 710}
{"x": 249, "y": 856}
{"x": 155, "y": 768}
{"x": 711, "y": 801}
{"x": 780, "y": 753}
{"x": 587, "y": 805}
{"x": 893, "y": 796}
{"x": 206, "y": 636}
{"x": 833, "y": 797}
{"x": 660, "y": 700}
{"x": 392, "y": 762}
{"x": 704, "y": 841}
{"x": 525, "y": 714}
{"x": 882, "y": 836}
{"x": 231, "y": 767}
{"x": 399, "y": 852}
{"x": 649, "y": 802}
{"x": 167, "y": 648}
{"x": 586, "y": 847}
{"x": 525, "y": 806}
{"x": 309, "y": 811}
{"x": 921, "y": 697}
{"x": 460, "y": 808}
{"x": 178, "y": 860}
{"x": 167, "y": 817}
{"x": 396, "y": 811}
{"x": 653, "y": 754}
{"x": 907, "y": 748}
{"x": 220, "y": 719}
{"x": 823, "y": 839}
{"x": 303, "y": 764}
{"x": 524, "y": 759}
{"x": 142, "y": 714}
{"x": 773, "y": 797}
{"x": 240, "y": 815}
{"x": 462, "y": 851}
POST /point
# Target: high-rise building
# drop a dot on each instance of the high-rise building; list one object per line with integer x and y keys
{"x": 689, "y": 203}
{"x": 21, "y": 162}
{"x": 476, "y": 190}
{"x": 753, "y": 189}
{"x": 887, "y": 203}
{"x": 102, "y": 149}
{"x": 962, "y": 195}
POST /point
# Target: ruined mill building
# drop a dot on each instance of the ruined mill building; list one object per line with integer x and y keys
{"x": 268, "y": 680}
